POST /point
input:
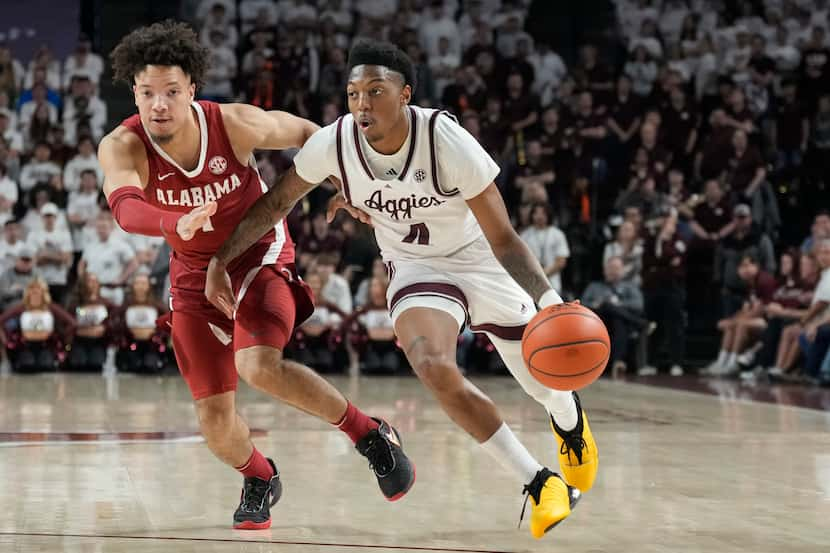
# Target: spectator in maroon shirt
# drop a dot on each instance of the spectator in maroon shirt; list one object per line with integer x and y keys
{"x": 814, "y": 73}
{"x": 741, "y": 330}
{"x": 521, "y": 109}
{"x": 321, "y": 239}
{"x": 679, "y": 129}
{"x": 712, "y": 217}
{"x": 664, "y": 288}
{"x": 738, "y": 115}
{"x": 791, "y": 130}
{"x": 713, "y": 158}
{"x": 593, "y": 75}
{"x": 746, "y": 167}
{"x": 659, "y": 158}
{"x": 467, "y": 92}
{"x": 624, "y": 118}
{"x": 588, "y": 125}
{"x": 494, "y": 129}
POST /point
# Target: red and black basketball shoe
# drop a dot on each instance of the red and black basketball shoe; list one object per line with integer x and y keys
{"x": 258, "y": 496}
{"x": 393, "y": 469}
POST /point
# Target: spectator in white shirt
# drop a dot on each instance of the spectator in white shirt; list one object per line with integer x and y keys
{"x": 40, "y": 169}
{"x": 443, "y": 65}
{"x": 83, "y": 161}
{"x": 32, "y": 221}
{"x": 216, "y": 22}
{"x": 340, "y": 13}
{"x": 83, "y": 208}
{"x": 12, "y": 79}
{"x": 83, "y": 108}
{"x": 109, "y": 258}
{"x": 219, "y": 77}
{"x": 436, "y": 24}
{"x": 39, "y": 98}
{"x": 14, "y": 140}
{"x": 206, "y": 6}
{"x": 335, "y": 287}
{"x": 642, "y": 70}
{"x": 549, "y": 71}
{"x": 295, "y": 13}
{"x": 10, "y": 244}
{"x": 252, "y": 12}
{"x": 547, "y": 243}
{"x": 43, "y": 60}
{"x": 83, "y": 61}
{"x": 8, "y": 195}
{"x": 53, "y": 247}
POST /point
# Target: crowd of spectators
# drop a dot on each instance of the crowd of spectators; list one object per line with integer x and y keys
{"x": 666, "y": 172}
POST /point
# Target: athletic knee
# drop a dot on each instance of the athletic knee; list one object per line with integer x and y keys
{"x": 260, "y": 366}
{"x": 438, "y": 372}
{"x": 216, "y": 418}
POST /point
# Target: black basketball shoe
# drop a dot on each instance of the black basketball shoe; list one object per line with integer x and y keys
{"x": 258, "y": 496}
{"x": 393, "y": 469}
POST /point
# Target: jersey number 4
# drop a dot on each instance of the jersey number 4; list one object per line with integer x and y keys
{"x": 417, "y": 233}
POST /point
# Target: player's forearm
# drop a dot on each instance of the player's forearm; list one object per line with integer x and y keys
{"x": 522, "y": 265}
{"x": 272, "y": 207}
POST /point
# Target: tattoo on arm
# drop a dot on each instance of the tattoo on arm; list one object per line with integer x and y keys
{"x": 525, "y": 269}
{"x": 272, "y": 207}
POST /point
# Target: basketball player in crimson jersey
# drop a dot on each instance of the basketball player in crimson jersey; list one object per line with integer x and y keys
{"x": 185, "y": 170}
{"x": 453, "y": 258}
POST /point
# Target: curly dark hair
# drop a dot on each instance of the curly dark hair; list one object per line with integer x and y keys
{"x": 168, "y": 43}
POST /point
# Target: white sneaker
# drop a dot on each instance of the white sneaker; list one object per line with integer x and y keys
{"x": 648, "y": 370}
{"x": 713, "y": 369}
{"x": 676, "y": 370}
{"x": 746, "y": 358}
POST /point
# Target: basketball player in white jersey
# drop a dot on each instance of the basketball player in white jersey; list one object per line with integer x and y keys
{"x": 427, "y": 187}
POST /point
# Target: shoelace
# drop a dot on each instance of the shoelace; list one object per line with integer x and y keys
{"x": 529, "y": 490}
{"x": 379, "y": 453}
{"x": 573, "y": 442}
{"x": 255, "y": 490}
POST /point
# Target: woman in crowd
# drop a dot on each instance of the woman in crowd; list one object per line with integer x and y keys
{"x": 32, "y": 330}
{"x": 143, "y": 345}
{"x": 95, "y": 317}
{"x": 628, "y": 247}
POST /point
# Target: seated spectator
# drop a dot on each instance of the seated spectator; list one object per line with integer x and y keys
{"x": 789, "y": 303}
{"x": 8, "y": 195}
{"x": 739, "y": 331}
{"x": 40, "y": 169}
{"x": 664, "y": 289}
{"x": 372, "y": 333}
{"x": 620, "y": 304}
{"x": 379, "y": 271}
{"x": 744, "y": 239}
{"x": 11, "y": 244}
{"x": 317, "y": 341}
{"x": 536, "y": 173}
{"x": 320, "y": 240}
{"x": 85, "y": 160}
{"x": 95, "y": 319}
{"x": 14, "y": 280}
{"x": 820, "y": 230}
{"x": 143, "y": 348}
{"x": 334, "y": 287}
{"x": 38, "y": 98}
{"x": 9, "y": 133}
{"x": 628, "y": 247}
{"x": 83, "y": 209}
{"x": 643, "y": 194}
{"x": 217, "y": 21}
{"x": 547, "y": 243}
{"x": 34, "y": 330}
{"x": 108, "y": 257}
{"x": 83, "y": 61}
{"x": 746, "y": 178}
{"x": 53, "y": 246}
{"x": 83, "y": 110}
{"x": 219, "y": 78}
{"x": 41, "y": 195}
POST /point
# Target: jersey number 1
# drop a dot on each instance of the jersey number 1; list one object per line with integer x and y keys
{"x": 417, "y": 233}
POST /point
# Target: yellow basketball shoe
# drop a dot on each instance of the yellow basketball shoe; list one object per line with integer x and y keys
{"x": 551, "y": 501}
{"x": 578, "y": 456}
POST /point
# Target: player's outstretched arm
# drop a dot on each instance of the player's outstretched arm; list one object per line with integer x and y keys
{"x": 252, "y": 128}
{"x": 125, "y": 193}
{"x": 509, "y": 248}
{"x": 268, "y": 210}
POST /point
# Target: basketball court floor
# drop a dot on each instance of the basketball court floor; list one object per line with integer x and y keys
{"x": 95, "y": 465}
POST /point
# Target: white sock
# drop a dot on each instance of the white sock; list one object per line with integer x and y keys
{"x": 731, "y": 360}
{"x": 504, "y": 447}
{"x": 722, "y": 356}
{"x": 560, "y": 405}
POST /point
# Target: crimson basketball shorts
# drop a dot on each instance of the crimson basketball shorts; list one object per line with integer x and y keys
{"x": 269, "y": 302}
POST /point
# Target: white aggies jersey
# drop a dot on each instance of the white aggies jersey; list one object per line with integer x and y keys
{"x": 421, "y": 212}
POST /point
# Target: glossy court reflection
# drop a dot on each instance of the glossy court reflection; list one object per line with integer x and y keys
{"x": 680, "y": 472}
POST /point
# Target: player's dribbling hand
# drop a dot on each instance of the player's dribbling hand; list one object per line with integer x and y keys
{"x": 218, "y": 288}
{"x": 338, "y": 201}
{"x": 198, "y": 218}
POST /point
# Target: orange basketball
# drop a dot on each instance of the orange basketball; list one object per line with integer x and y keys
{"x": 566, "y": 346}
